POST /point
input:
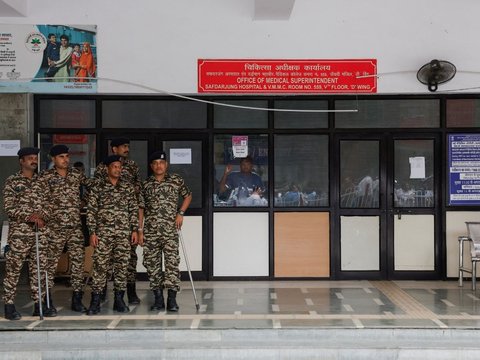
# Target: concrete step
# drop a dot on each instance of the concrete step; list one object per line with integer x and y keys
{"x": 395, "y": 344}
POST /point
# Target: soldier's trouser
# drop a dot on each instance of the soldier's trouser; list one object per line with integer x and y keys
{"x": 153, "y": 249}
{"x": 114, "y": 244}
{"x": 73, "y": 238}
{"x": 132, "y": 264}
{"x": 22, "y": 247}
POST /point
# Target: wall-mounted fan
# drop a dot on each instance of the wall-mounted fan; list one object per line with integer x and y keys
{"x": 436, "y": 72}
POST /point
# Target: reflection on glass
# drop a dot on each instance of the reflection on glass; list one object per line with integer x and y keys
{"x": 82, "y": 150}
{"x": 392, "y": 113}
{"x": 301, "y": 120}
{"x": 238, "y": 118}
{"x": 463, "y": 113}
{"x": 359, "y": 174}
{"x": 301, "y": 170}
{"x": 241, "y": 171}
{"x": 413, "y": 173}
{"x": 78, "y": 114}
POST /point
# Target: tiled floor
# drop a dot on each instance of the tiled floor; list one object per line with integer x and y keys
{"x": 280, "y": 304}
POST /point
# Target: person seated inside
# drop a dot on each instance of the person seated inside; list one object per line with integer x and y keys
{"x": 293, "y": 197}
{"x": 246, "y": 186}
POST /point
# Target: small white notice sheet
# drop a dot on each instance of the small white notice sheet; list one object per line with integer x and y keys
{"x": 180, "y": 156}
{"x": 417, "y": 167}
{"x": 9, "y": 147}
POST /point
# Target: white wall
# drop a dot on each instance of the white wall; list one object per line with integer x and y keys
{"x": 157, "y": 42}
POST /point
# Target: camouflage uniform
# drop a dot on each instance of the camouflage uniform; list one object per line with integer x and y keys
{"x": 21, "y": 199}
{"x": 112, "y": 214}
{"x": 62, "y": 194}
{"x": 159, "y": 199}
{"x": 131, "y": 174}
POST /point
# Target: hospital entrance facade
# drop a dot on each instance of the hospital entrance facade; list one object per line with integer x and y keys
{"x": 354, "y": 188}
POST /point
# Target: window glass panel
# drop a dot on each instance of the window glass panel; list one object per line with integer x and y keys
{"x": 153, "y": 114}
{"x": 241, "y": 181}
{"x": 414, "y": 176}
{"x": 190, "y": 172}
{"x": 138, "y": 153}
{"x": 301, "y": 170}
{"x": 76, "y": 114}
{"x": 359, "y": 174}
{"x": 463, "y": 113}
{"x": 388, "y": 114}
{"x": 301, "y": 120}
{"x": 229, "y": 118}
{"x": 82, "y": 149}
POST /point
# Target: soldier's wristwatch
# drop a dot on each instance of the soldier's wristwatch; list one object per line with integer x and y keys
{"x": 181, "y": 212}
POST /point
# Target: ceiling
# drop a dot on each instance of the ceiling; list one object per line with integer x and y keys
{"x": 13, "y": 8}
{"x": 264, "y": 9}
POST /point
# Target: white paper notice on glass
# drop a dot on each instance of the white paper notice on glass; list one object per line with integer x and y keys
{"x": 417, "y": 167}
{"x": 180, "y": 156}
{"x": 240, "y": 146}
{"x": 9, "y": 147}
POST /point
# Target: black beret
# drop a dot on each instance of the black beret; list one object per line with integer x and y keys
{"x": 111, "y": 159}
{"x": 27, "y": 151}
{"x": 119, "y": 141}
{"x": 58, "y": 149}
{"x": 157, "y": 155}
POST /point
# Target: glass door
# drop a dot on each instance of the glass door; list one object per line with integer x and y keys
{"x": 387, "y": 213}
{"x": 186, "y": 155}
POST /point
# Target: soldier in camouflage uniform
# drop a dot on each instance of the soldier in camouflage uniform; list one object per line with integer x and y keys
{"x": 22, "y": 204}
{"x": 61, "y": 189}
{"x": 112, "y": 219}
{"x": 158, "y": 207}
{"x": 131, "y": 174}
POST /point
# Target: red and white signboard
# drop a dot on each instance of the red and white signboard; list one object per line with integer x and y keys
{"x": 287, "y": 76}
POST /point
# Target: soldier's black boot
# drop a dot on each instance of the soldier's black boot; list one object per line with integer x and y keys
{"x": 36, "y": 309}
{"x": 11, "y": 313}
{"x": 172, "y": 300}
{"x": 132, "y": 294}
{"x": 50, "y": 311}
{"x": 118, "y": 302}
{"x": 103, "y": 294}
{"x": 94, "y": 304}
{"x": 159, "y": 303}
{"x": 77, "y": 302}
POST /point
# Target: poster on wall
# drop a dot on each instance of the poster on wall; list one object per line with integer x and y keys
{"x": 464, "y": 169}
{"x": 48, "y": 58}
{"x": 287, "y": 76}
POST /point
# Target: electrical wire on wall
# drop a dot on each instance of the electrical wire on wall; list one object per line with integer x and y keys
{"x": 191, "y": 98}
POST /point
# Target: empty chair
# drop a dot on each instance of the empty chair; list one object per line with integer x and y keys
{"x": 473, "y": 229}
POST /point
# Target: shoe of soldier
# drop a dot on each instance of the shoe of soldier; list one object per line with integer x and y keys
{"x": 119, "y": 304}
{"x": 172, "y": 300}
{"x": 50, "y": 312}
{"x": 159, "y": 303}
{"x": 36, "y": 309}
{"x": 94, "y": 304}
{"x": 11, "y": 313}
{"x": 77, "y": 302}
{"x": 133, "y": 299}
